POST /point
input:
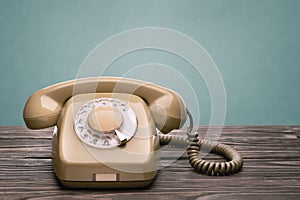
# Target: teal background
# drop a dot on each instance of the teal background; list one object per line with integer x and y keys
{"x": 255, "y": 45}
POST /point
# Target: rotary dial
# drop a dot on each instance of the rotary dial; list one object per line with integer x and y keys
{"x": 105, "y": 123}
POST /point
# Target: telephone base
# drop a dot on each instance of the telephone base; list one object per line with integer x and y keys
{"x": 108, "y": 184}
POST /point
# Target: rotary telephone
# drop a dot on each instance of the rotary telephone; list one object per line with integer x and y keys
{"x": 106, "y": 131}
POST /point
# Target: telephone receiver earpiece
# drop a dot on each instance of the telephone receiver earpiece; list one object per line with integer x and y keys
{"x": 44, "y": 106}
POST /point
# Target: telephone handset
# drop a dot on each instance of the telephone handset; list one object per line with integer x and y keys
{"x": 106, "y": 131}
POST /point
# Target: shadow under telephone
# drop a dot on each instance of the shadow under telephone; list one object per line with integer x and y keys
{"x": 106, "y": 131}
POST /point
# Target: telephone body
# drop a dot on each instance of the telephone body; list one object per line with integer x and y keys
{"x": 106, "y": 131}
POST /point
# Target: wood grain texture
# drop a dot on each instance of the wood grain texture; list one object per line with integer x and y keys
{"x": 271, "y": 169}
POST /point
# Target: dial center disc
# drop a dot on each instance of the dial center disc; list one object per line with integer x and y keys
{"x": 105, "y": 119}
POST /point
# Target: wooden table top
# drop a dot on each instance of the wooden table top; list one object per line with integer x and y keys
{"x": 271, "y": 169}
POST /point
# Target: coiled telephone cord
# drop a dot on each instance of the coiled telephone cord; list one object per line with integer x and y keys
{"x": 194, "y": 144}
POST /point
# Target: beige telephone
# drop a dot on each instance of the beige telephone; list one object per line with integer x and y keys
{"x": 106, "y": 131}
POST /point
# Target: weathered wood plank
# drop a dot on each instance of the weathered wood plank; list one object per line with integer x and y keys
{"x": 271, "y": 169}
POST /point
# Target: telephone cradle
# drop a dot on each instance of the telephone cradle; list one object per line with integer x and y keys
{"x": 109, "y": 131}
